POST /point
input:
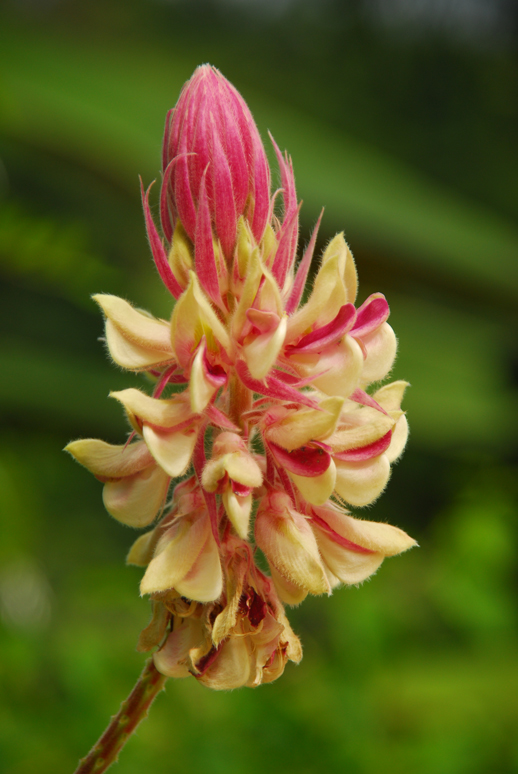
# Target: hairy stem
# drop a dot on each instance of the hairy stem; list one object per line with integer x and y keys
{"x": 123, "y": 724}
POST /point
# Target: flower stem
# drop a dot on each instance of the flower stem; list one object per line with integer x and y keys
{"x": 123, "y": 724}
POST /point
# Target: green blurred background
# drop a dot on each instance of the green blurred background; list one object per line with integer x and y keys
{"x": 402, "y": 119}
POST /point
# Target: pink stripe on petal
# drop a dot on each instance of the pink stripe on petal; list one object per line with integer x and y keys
{"x": 308, "y": 461}
{"x": 272, "y": 387}
{"x": 328, "y": 334}
{"x": 365, "y": 452}
{"x": 338, "y": 538}
{"x": 157, "y": 248}
{"x": 203, "y": 247}
{"x": 371, "y": 314}
{"x": 302, "y": 271}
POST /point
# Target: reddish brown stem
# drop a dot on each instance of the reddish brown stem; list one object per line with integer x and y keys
{"x": 124, "y": 723}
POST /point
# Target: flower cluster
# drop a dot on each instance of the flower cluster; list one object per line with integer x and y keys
{"x": 260, "y": 412}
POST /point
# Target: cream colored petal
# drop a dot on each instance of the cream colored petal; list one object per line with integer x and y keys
{"x": 253, "y": 278}
{"x": 316, "y": 489}
{"x": 172, "y": 450}
{"x": 242, "y": 467}
{"x": 399, "y": 439}
{"x": 360, "y": 427}
{"x": 347, "y": 566}
{"x": 137, "y": 500}
{"x": 154, "y": 632}
{"x": 142, "y": 550}
{"x": 262, "y": 352}
{"x": 381, "y": 346}
{"x": 344, "y": 366}
{"x": 339, "y": 247}
{"x": 108, "y": 461}
{"x": 213, "y": 328}
{"x": 289, "y": 544}
{"x": 360, "y": 483}
{"x": 138, "y": 328}
{"x": 201, "y": 389}
{"x": 180, "y": 258}
{"x": 289, "y": 592}
{"x": 324, "y": 303}
{"x": 391, "y": 395}
{"x": 172, "y": 660}
{"x": 300, "y": 427}
{"x": 204, "y": 581}
{"x": 373, "y": 535}
{"x": 133, "y": 356}
{"x": 232, "y": 667}
{"x": 238, "y": 510}
{"x": 159, "y": 412}
{"x": 175, "y": 555}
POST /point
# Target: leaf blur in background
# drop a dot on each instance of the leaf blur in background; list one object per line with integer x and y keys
{"x": 402, "y": 120}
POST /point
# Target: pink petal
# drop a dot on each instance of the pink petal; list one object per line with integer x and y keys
{"x": 223, "y": 197}
{"x": 371, "y": 314}
{"x": 308, "y": 461}
{"x": 328, "y": 334}
{"x": 360, "y": 396}
{"x": 204, "y": 251}
{"x": 302, "y": 271}
{"x": 272, "y": 387}
{"x": 219, "y": 419}
{"x": 157, "y": 248}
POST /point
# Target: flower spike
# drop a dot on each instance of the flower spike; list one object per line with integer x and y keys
{"x": 261, "y": 423}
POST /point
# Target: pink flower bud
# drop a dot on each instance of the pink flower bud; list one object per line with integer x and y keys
{"x": 213, "y": 160}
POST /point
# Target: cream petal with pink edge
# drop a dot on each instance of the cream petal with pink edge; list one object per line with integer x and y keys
{"x": 300, "y": 427}
{"x": 262, "y": 352}
{"x": 172, "y": 660}
{"x": 239, "y": 465}
{"x": 360, "y": 483}
{"x": 107, "y": 461}
{"x": 289, "y": 592}
{"x": 324, "y": 303}
{"x": 316, "y": 489}
{"x": 288, "y": 543}
{"x": 238, "y": 510}
{"x": 359, "y": 427}
{"x": 172, "y": 450}
{"x": 364, "y": 546}
{"x": 231, "y": 668}
{"x": 158, "y": 412}
{"x": 136, "y": 500}
{"x": 204, "y": 582}
{"x": 175, "y": 554}
{"x": 381, "y": 347}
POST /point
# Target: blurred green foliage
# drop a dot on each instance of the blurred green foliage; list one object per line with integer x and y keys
{"x": 407, "y": 133}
